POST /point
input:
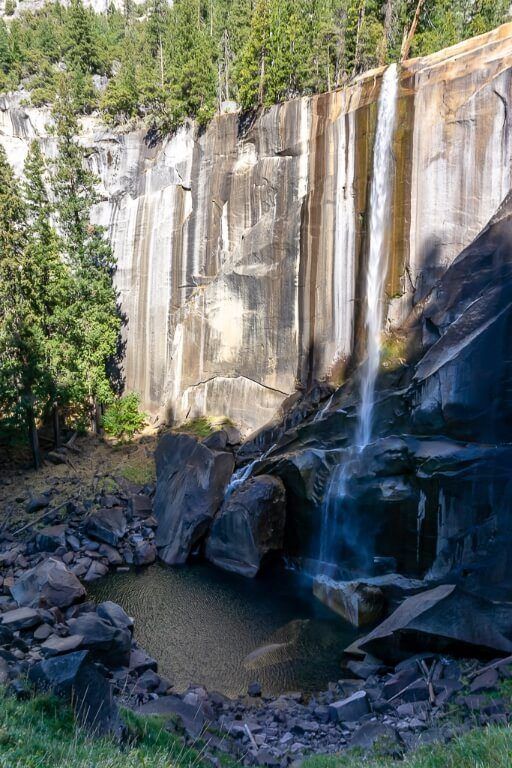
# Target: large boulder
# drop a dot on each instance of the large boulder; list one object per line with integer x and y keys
{"x": 107, "y": 525}
{"x": 249, "y": 525}
{"x": 109, "y": 643}
{"x": 50, "y": 584}
{"x": 94, "y": 705}
{"x": 191, "y": 481}
{"x": 442, "y": 620}
{"x": 73, "y": 677}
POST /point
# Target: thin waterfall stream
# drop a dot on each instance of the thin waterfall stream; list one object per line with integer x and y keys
{"x": 377, "y": 266}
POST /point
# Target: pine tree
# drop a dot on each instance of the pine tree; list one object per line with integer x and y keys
{"x": 51, "y": 275}
{"x": 81, "y": 46}
{"x": 6, "y": 58}
{"x": 92, "y": 315}
{"x": 23, "y": 378}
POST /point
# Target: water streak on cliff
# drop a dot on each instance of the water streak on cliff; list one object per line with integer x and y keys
{"x": 334, "y": 526}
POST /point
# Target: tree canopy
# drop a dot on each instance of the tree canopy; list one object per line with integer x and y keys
{"x": 164, "y": 63}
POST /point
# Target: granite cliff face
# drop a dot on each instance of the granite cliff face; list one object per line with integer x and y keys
{"x": 241, "y": 250}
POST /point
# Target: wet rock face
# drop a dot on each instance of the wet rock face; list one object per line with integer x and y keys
{"x": 249, "y": 525}
{"x": 240, "y": 255}
{"x": 191, "y": 481}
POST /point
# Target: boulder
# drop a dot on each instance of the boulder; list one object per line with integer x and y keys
{"x": 58, "y": 674}
{"x": 108, "y": 643}
{"x": 94, "y": 705}
{"x": 50, "y": 584}
{"x": 95, "y": 571}
{"x": 368, "y": 734}
{"x": 20, "y": 618}
{"x": 37, "y": 502}
{"x": 173, "y": 706}
{"x": 56, "y": 645}
{"x": 140, "y": 661}
{"x": 144, "y": 553}
{"x": 217, "y": 441}
{"x": 115, "y": 615}
{"x": 356, "y": 601}
{"x": 249, "y": 525}
{"x": 350, "y": 709}
{"x": 140, "y": 505}
{"x": 112, "y": 555}
{"x": 107, "y": 525}
{"x": 191, "y": 481}
{"x": 51, "y": 538}
{"x": 443, "y": 620}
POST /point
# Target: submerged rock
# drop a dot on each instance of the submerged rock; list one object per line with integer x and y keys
{"x": 358, "y": 602}
{"x": 249, "y": 525}
{"x": 191, "y": 481}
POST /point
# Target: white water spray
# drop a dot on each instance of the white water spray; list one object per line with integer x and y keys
{"x": 243, "y": 473}
{"x": 380, "y": 197}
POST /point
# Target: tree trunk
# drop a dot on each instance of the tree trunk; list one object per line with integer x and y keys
{"x": 360, "y": 21}
{"x": 388, "y": 25}
{"x": 56, "y": 425}
{"x": 261, "y": 89}
{"x": 33, "y": 437}
{"x": 98, "y": 412}
{"x": 406, "y": 44}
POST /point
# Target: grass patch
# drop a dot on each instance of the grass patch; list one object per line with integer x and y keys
{"x": 140, "y": 473}
{"x": 41, "y": 733}
{"x": 481, "y": 748}
{"x": 203, "y": 426}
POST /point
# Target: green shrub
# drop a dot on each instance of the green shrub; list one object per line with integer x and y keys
{"x": 123, "y": 418}
{"x": 10, "y": 7}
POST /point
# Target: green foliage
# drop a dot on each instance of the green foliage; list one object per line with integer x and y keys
{"x": 40, "y": 733}
{"x": 23, "y": 374}
{"x": 123, "y": 417}
{"x": 167, "y": 63}
{"x": 59, "y": 317}
{"x": 203, "y": 426}
{"x": 481, "y": 748}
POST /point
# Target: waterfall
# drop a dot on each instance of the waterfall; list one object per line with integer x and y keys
{"x": 380, "y": 197}
{"x": 377, "y": 268}
{"x": 243, "y": 473}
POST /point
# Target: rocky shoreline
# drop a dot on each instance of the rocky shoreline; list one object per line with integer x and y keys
{"x": 52, "y": 638}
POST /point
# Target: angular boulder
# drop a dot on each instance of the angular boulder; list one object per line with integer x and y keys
{"x": 21, "y": 618}
{"x": 58, "y": 674}
{"x": 144, "y": 553}
{"x": 94, "y": 705}
{"x": 191, "y": 481}
{"x": 107, "y": 525}
{"x": 51, "y": 538}
{"x": 108, "y": 643}
{"x": 50, "y": 584}
{"x": 441, "y": 620}
{"x": 115, "y": 615}
{"x": 249, "y": 525}
{"x": 356, "y": 601}
{"x": 350, "y": 709}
